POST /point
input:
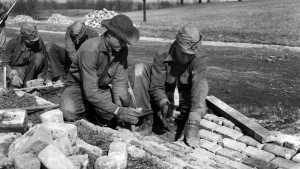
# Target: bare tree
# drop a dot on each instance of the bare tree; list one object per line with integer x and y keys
{"x": 144, "y": 10}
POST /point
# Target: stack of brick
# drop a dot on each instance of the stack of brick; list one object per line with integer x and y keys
{"x": 95, "y": 17}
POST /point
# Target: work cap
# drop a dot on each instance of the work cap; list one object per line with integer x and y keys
{"x": 78, "y": 30}
{"x": 122, "y": 26}
{"x": 29, "y": 31}
{"x": 189, "y": 38}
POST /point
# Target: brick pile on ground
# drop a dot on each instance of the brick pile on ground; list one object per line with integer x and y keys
{"x": 95, "y": 17}
{"x": 224, "y": 145}
{"x": 60, "y": 19}
{"x": 20, "y": 18}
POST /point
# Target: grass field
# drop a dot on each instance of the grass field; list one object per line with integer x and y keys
{"x": 256, "y": 21}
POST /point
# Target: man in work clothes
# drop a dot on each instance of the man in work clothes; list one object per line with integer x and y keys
{"x": 60, "y": 58}
{"x": 24, "y": 56}
{"x": 3, "y": 18}
{"x": 182, "y": 64}
{"x": 101, "y": 62}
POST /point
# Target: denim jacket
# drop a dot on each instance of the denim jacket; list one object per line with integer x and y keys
{"x": 94, "y": 68}
{"x": 190, "y": 79}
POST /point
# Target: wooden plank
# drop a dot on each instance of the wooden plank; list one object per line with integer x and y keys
{"x": 247, "y": 125}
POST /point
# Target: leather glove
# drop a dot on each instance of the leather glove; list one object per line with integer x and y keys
{"x": 17, "y": 81}
{"x": 128, "y": 115}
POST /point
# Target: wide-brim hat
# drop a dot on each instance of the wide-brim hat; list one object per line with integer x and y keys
{"x": 122, "y": 26}
{"x": 189, "y": 38}
{"x": 29, "y": 31}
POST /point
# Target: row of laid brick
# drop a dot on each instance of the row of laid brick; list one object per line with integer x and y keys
{"x": 215, "y": 133}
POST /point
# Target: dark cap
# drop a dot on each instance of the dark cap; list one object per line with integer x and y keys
{"x": 29, "y": 31}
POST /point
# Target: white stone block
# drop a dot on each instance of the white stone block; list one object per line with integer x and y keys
{"x": 61, "y": 130}
{"x": 80, "y": 161}
{"x": 118, "y": 151}
{"x": 13, "y": 121}
{"x": 53, "y": 158}
{"x": 64, "y": 145}
{"x": 106, "y": 162}
{"x": 52, "y": 116}
{"x": 6, "y": 140}
{"x": 87, "y": 148}
{"x": 26, "y": 161}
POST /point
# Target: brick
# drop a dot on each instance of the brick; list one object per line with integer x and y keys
{"x": 178, "y": 163}
{"x": 182, "y": 145}
{"x": 208, "y": 125}
{"x": 34, "y": 140}
{"x": 13, "y": 121}
{"x": 218, "y": 120}
{"x": 64, "y": 145}
{"x": 6, "y": 139}
{"x": 279, "y": 151}
{"x": 247, "y": 125}
{"x": 284, "y": 163}
{"x": 259, "y": 164}
{"x": 200, "y": 153}
{"x": 220, "y": 159}
{"x": 91, "y": 150}
{"x": 228, "y": 132}
{"x": 210, "y": 146}
{"x": 231, "y": 154}
{"x": 157, "y": 145}
{"x": 60, "y": 130}
{"x": 209, "y": 117}
{"x": 210, "y": 136}
{"x": 248, "y": 141}
{"x": 135, "y": 152}
{"x": 118, "y": 150}
{"x": 53, "y": 158}
{"x": 228, "y": 123}
{"x": 292, "y": 144}
{"x": 237, "y": 129}
{"x": 52, "y": 116}
{"x": 26, "y": 161}
{"x": 105, "y": 162}
{"x": 237, "y": 165}
{"x": 6, "y": 163}
{"x": 80, "y": 161}
{"x": 259, "y": 154}
{"x": 296, "y": 158}
{"x": 157, "y": 152}
{"x": 234, "y": 145}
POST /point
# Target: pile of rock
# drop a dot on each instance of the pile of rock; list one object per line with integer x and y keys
{"x": 58, "y": 18}
{"x": 52, "y": 144}
{"x": 20, "y": 18}
{"x": 95, "y": 17}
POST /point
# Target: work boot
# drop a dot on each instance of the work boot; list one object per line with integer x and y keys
{"x": 145, "y": 124}
{"x": 192, "y": 136}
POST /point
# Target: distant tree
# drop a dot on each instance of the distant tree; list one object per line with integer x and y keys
{"x": 200, "y": 1}
{"x": 181, "y": 2}
{"x": 208, "y": 1}
{"x": 27, "y": 7}
{"x": 240, "y": 0}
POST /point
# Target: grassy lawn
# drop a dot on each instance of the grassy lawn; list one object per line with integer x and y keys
{"x": 256, "y": 21}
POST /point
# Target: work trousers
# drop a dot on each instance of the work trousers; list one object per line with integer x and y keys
{"x": 58, "y": 60}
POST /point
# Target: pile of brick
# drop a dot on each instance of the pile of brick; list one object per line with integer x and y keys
{"x": 95, "y": 17}
{"x": 60, "y": 19}
{"x": 20, "y": 18}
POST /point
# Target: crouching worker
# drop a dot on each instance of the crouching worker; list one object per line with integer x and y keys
{"x": 99, "y": 63}
{"x": 60, "y": 58}
{"x": 24, "y": 56}
{"x": 180, "y": 64}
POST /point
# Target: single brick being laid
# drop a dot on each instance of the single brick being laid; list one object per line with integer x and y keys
{"x": 208, "y": 125}
{"x": 259, "y": 164}
{"x": 280, "y": 151}
{"x": 228, "y": 132}
{"x": 210, "y": 136}
{"x": 210, "y": 146}
{"x": 234, "y": 145}
{"x": 249, "y": 141}
{"x": 13, "y": 121}
{"x": 284, "y": 163}
{"x": 231, "y": 154}
{"x": 259, "y": 154}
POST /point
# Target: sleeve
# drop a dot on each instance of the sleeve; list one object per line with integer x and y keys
{"x": 157, "y": 81}
{"x": 7, "y": 56}
{"x": 96, "y": 96}
{"x": 69, "y": 45}
{"x": 119, "y": 81}
{"x": 199, "y": 88}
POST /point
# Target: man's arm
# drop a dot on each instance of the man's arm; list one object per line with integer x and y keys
{"x": 96, "y": 96}
{"x": 199, "y": 89}
{"x": 69, "y": 45}
{"x": 158, "y": 79}
{"x": 7, "y": 56}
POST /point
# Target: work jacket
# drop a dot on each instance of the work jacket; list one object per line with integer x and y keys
{"x": 190, "y": 79}
{"x": 17, "y": 53}
{"x": 71, "y": 46}
{"x": 94, "y": 68}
